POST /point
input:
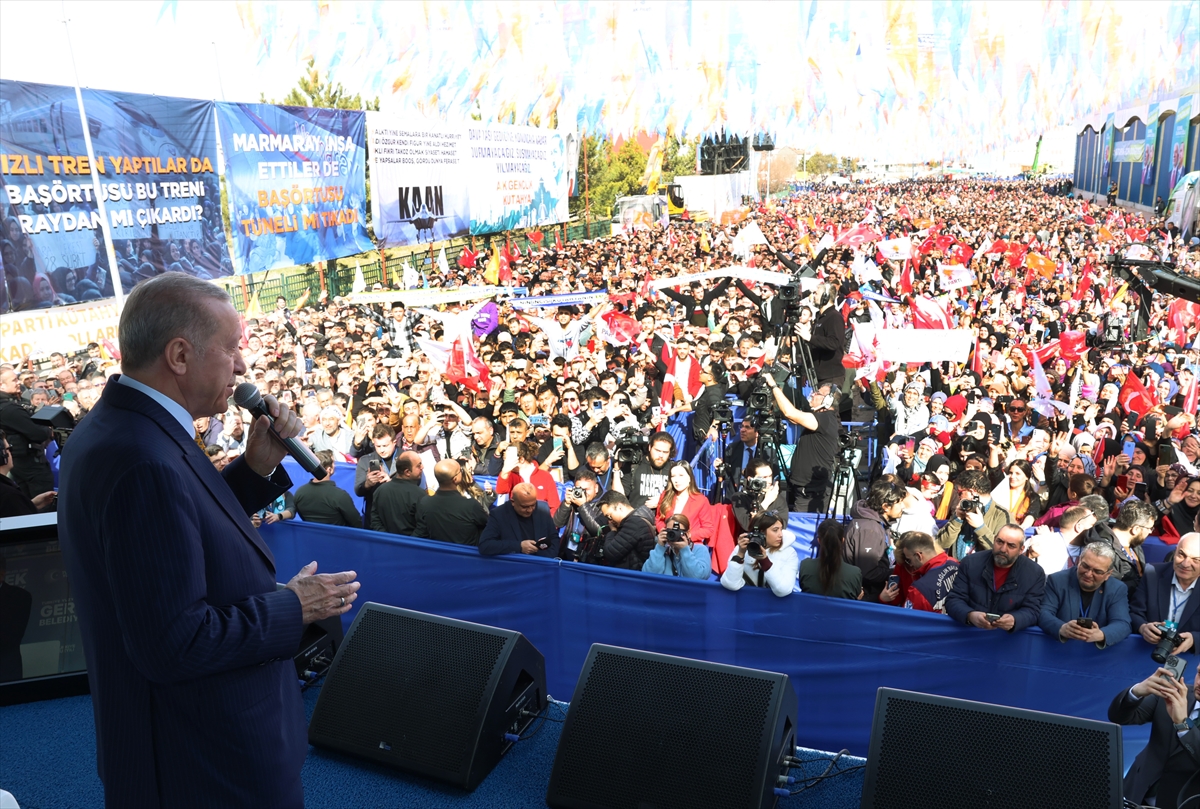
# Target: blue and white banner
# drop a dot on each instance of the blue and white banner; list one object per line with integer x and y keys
{"x": 518, "y": 177}
{"x": 570, "y": 299}
{"x": 297, "y": 184}
{"x": 156, "y": 159}
{"x": 419, "y": 190}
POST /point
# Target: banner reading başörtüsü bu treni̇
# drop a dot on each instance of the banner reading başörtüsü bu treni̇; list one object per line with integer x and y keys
{"x": 156, "y": 158}
{"x": 296, "y": 179}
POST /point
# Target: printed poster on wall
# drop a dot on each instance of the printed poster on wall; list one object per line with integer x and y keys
{"x": 518, "y": 177}
{"x": 1148, "y": 167}
{"x": 156, "y": 157}
{"x": 419, "y": 191}
{"x": 1183, "y": 117}
{"x": 297, "y": 184}
{"x": 1109, "y": 132}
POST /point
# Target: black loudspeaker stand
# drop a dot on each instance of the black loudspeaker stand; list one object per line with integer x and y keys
{"x": 432, "y": 695}
{"x": 640, "y": 721}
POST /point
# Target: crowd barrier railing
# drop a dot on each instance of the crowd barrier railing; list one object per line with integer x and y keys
{"x": 837, "y": 652}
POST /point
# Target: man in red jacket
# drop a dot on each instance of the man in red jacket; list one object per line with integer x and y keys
{"x": 925, "y": 574}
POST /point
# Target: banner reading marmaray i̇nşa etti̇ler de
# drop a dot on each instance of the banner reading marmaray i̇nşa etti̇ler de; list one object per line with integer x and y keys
{"x": 156, "y": 159}
{"x": 296, "y": 182}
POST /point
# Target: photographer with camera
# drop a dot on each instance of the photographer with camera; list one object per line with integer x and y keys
{"x": 764, "y": 557}
{"x": 740, "y": 453}
{"x": 817, "y": 449}
{"x": 1165, "y": 609}
{"x": 643, "y": 477}
{"x": 1165, "y": 772}
{"x": 759, "y": 492}
{"x": 977, "y": 518}
{"x": 579, "y": 515}
{"x": 675, "y": 554}
{"x": 631, "y": 536}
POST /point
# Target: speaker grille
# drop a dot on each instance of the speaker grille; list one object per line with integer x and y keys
{"x": 639, "y": 722}
{"x": 1009, "y": 761}
{"x": 403, "y": 665}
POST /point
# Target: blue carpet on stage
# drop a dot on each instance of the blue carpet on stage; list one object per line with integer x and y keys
{"x": 48, "y": 761}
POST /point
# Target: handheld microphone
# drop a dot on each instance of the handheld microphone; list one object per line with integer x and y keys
{"x": 246, "y": 395}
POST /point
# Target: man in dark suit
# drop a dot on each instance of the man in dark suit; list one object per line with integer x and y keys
{"x": 447, "y": 515}
{"x": 395, "y": 508}
{"x": 1002, "y": 582}
{"x": 1170, "y": 592}
{"x": 739, "y": 454}
{"x": 189, "y": 644}
{"x": 522, "y": 525}
{"x": 375, "y": 468}
{"x": 1166, "y": 769}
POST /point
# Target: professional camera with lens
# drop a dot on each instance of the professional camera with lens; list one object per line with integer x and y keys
{"x": 631, "y": 446}
{"x": 760, "y": 396}
{"x": 722, "y": 413}
{"x": 1110, "y": 334}
{"x": 756, "y": 544}
{"x": 1167, "y": 642}
{"x": 969, "y": 506}
{"x": 755, "y": 485}
{"x": 675, "y": 535}
{"x": 574, "y": 493}
{"x": 789, "y": 295}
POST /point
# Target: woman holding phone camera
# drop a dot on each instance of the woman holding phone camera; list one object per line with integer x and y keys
{"x": 1017, "y": 495}
{"x": 764, "y": 557}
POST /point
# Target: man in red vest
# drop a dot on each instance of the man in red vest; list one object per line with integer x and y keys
{"x": 923, "y": 575}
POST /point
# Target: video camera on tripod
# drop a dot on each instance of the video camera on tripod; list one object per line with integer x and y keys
{"x": 631, "y": 447}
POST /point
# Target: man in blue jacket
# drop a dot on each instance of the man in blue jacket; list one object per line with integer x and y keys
{"x": 1002, "y": 583}
{"x": 1084, "y": 603}
{"x": 520, "y": 526}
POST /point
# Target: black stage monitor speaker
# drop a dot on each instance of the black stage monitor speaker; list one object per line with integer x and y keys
{"x": 1019, "y": 759}
{"x": 318, "y": 645}
{"x": 638, "y": 717}
{"x": 428, "y": 694}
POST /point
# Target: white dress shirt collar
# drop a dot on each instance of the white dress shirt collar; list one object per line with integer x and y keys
{"x": 170, "y": 405}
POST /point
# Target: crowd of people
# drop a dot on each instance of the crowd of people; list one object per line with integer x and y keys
{"x": 571, "y": 432}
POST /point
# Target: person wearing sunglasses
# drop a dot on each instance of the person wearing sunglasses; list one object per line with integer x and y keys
{"x": 1018, "y": 425}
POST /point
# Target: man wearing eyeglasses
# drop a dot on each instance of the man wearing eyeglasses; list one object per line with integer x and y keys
{"x": 1168, "y": 593}
{"x": 1084, "y": 603}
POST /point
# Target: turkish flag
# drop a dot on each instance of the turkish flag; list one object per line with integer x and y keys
{"x": 1044, "y": 353}
{"x": 1087, "y": 220}
{"x": 1134, "y": 396}
{"x": 998, "y": 247}
{"x": 1072, "y": 345}
{"x": 621, "y": 328}
{"x": 904, "y": 213}
{"x": 464, "y": 366}
{"x": 466, "y": 259}
{"x": 928, "y": 246}
{"x": 1085, "y": 282}
{"x": 1016, "y": 254}
{"x": 944, "y": 242}
{"x": 558, "y": 245}
{"x": 535, "y": 236}
{"x": 929, "y": 314}
{"x": 857, "y": 236}
{"x": 907, "y": 274}
{"x": 961, "y": 253}
{"x": 1136, "y": 234}
{"x": 977, "y": 359}
{"x": 1190, "y": 397}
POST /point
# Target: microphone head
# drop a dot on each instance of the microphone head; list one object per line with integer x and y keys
{"x": 246, "y": 395}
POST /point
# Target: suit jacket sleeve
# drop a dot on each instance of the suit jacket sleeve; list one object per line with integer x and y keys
{"x": 1027, "y": 615}
{"x": 492, "y": 541}
{"x": 252, "y": 490}
{"x": 1116, "y": 608}
{"x": 749, "y": 293}
{"x": 1048, "y": 620}
{"x": 1139, "y": 604}
{"x": 958, "y": 601}
{"x": 1124, "y": 710}
{"x": 172, "y": 633}
{"x": 360, "y": 475}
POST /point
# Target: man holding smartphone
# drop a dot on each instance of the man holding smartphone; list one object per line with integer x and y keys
{"x": 1164, "y": 771}
{"x": 1084, "y": 603}
{"x": 1000, "y": 589}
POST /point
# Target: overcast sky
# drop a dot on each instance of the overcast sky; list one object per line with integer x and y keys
{"x": 201, "y": 53}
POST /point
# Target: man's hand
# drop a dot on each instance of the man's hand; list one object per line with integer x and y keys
{"x": 1071, "y": 630}
{"x": 974, "y": 519}
{"x": 256, "y": 520}
{"x": 375, "y": 477}
{"x": 890, "y": 593}
{"x": 528, "y": 546}
{"x": 1187, "y": 644}
{"x": 263, "y": 453}
{"x": 1006, "y": 622}
{"x": 1172, "y": 691}
{"x": 270, "y": 517}
{"x": 979, "y": 619}
{"x": 44, "y": 499}
{"x": 325, "y": 595}
{"x": 1151, "y": 632}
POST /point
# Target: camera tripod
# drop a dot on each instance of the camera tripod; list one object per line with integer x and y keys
{"x": 722, "y": 474}
{"x": 799, "y": 355}
{"x": 846, "y": 489}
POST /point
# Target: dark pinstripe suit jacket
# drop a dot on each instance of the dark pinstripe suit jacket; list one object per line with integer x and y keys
{"x": 188, "y": 642}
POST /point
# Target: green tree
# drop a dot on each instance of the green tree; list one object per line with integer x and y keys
{"x": 680, "y": 159}
{"x": 622, "y": 178}
{"x": 311, "y": 91}
{"x": 851, "y": 164}
{"x": 821, "y": 163}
